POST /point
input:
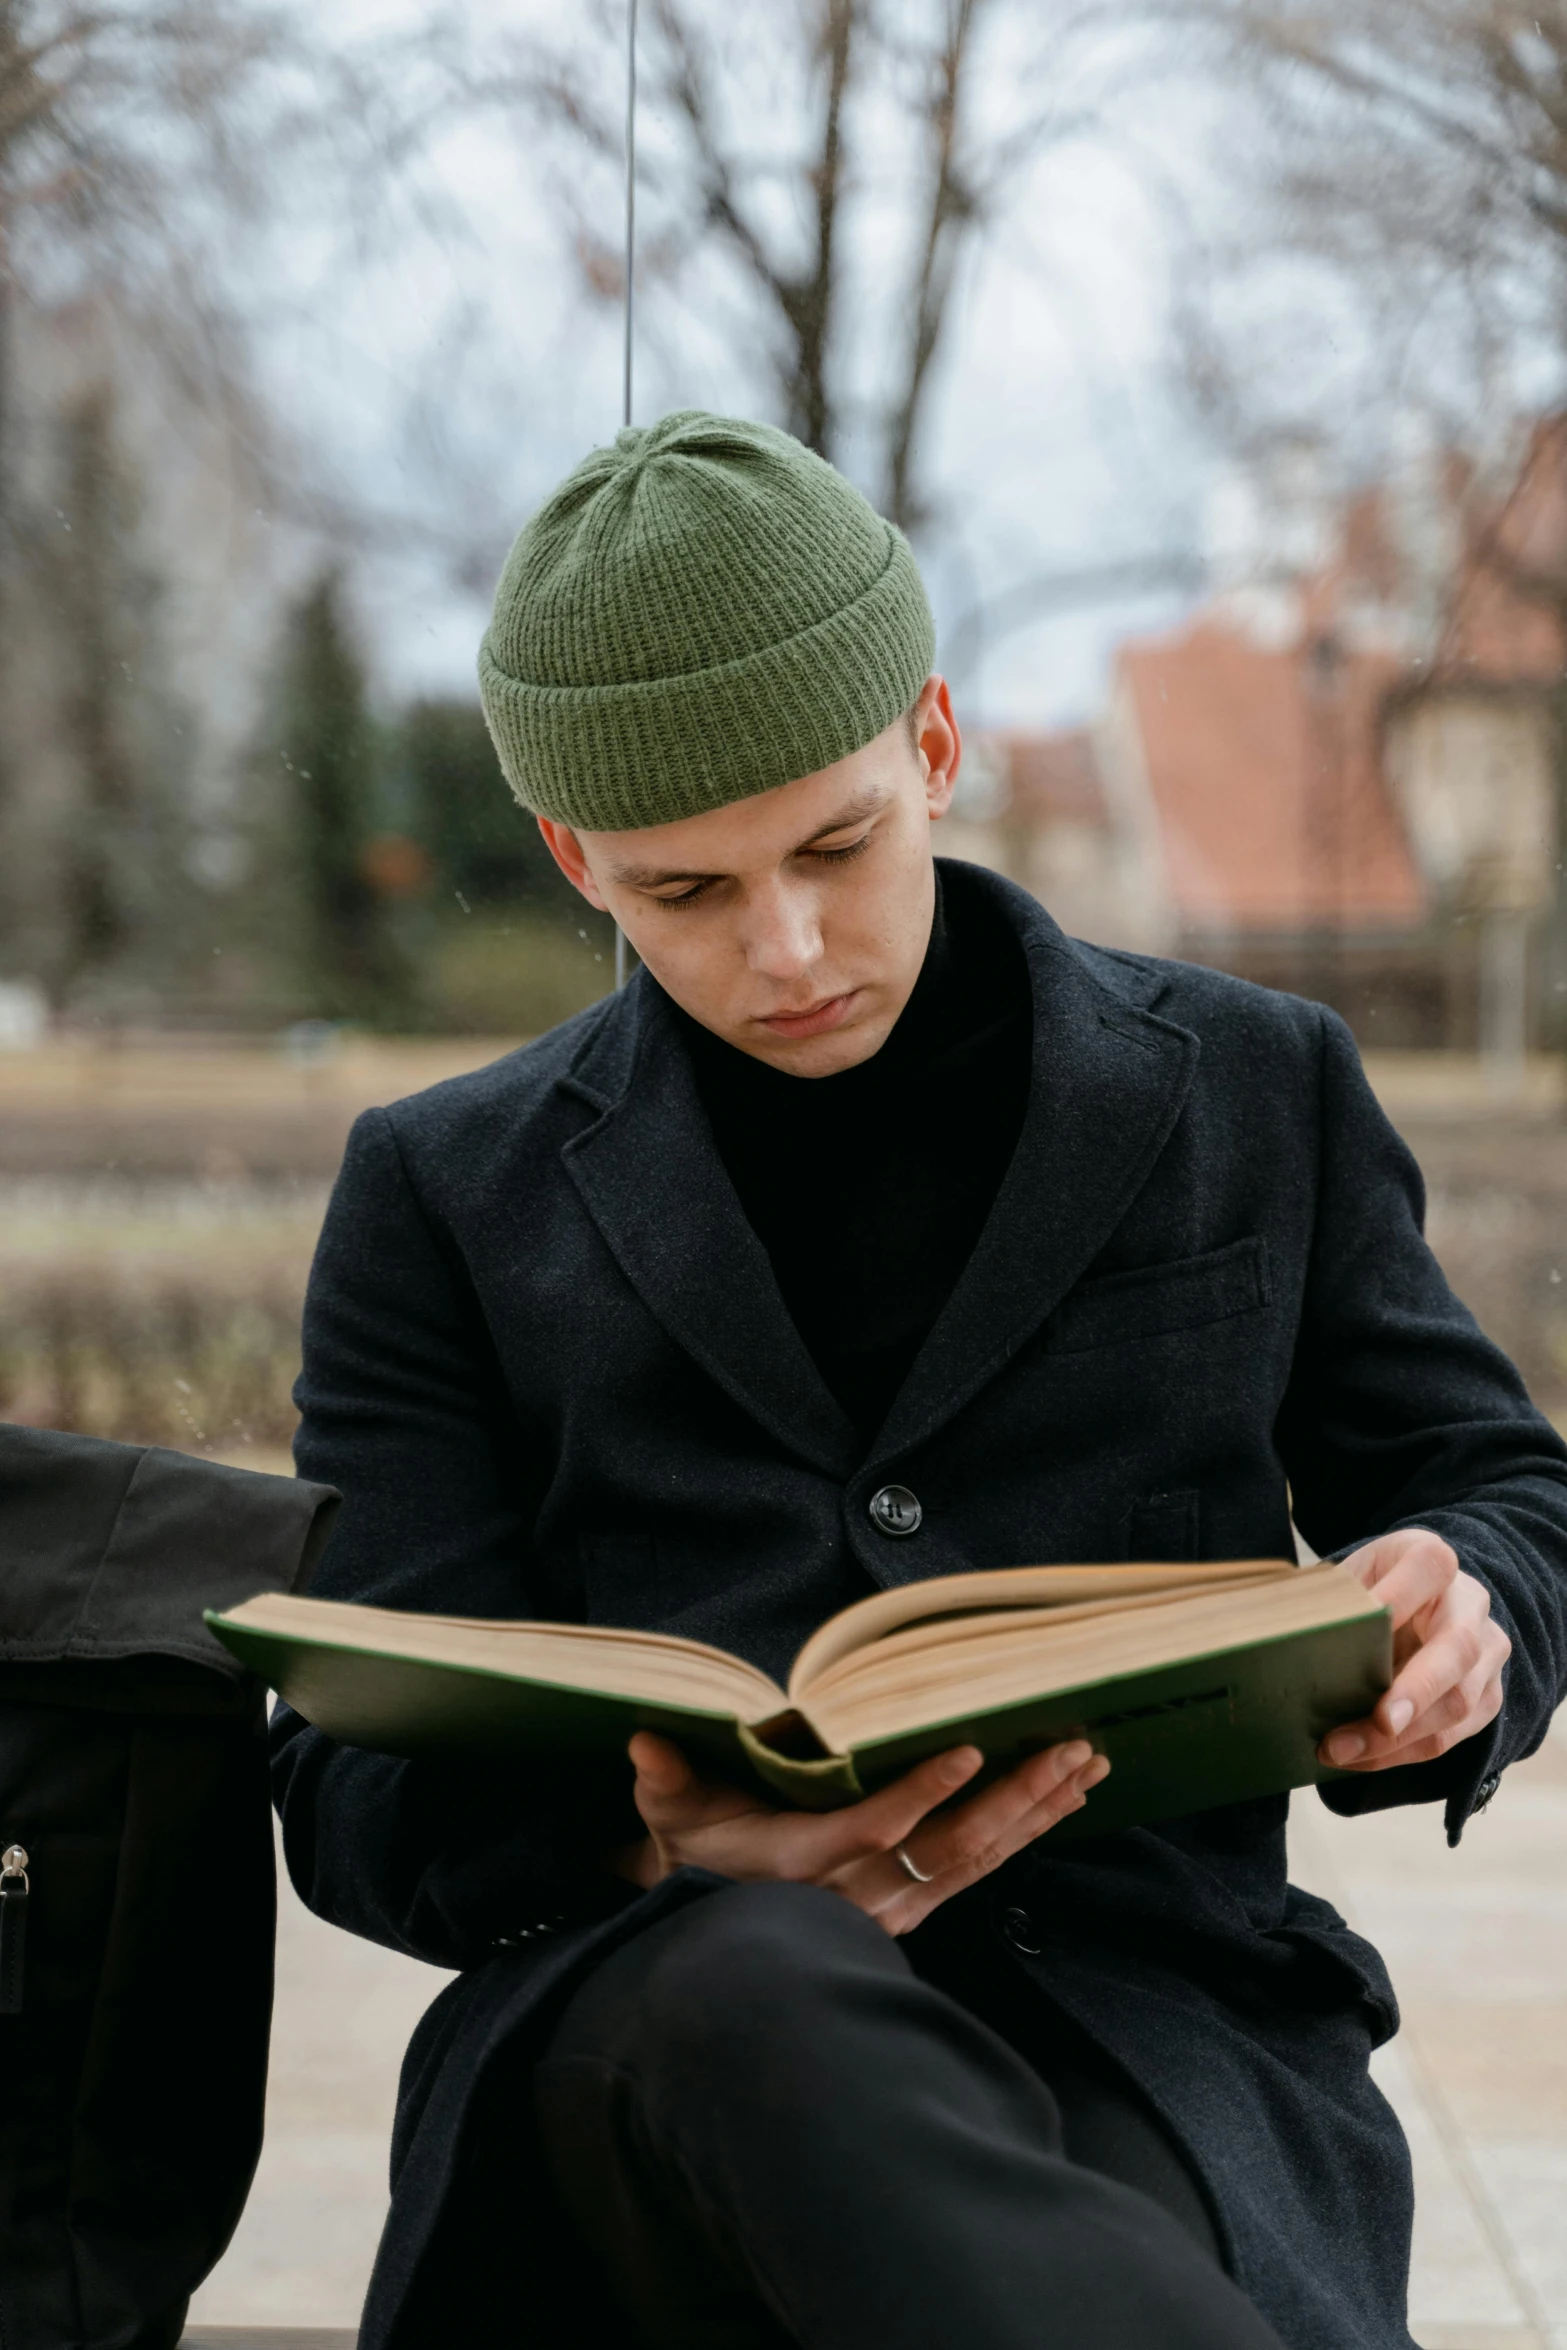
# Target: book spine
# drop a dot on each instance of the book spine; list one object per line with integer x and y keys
{"x": 805, "y": 1786}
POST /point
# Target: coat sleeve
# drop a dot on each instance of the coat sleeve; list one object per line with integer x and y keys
{"x": 1400, "y": 1412}
{"x": 404, "y": 1410}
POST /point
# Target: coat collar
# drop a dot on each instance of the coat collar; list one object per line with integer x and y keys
{"x": 1109, "y": 1081}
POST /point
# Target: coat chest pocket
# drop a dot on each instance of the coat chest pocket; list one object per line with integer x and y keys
{"x": 1152, "y": 1299}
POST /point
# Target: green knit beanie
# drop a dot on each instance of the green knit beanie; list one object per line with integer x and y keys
{"x": 701, "y": 612}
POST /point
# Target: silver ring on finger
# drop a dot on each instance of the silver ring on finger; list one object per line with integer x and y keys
{"x": 910, "y": 1869}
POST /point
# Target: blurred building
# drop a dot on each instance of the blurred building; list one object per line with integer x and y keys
{"x": 1039, "y": 807}
{"x": 1342, "y": 775}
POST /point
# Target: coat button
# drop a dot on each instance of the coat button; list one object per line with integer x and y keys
{"x": 1018, "y": 1928}
{"x": 1486, "y": 1789}
{"x": 895, "y": 1510}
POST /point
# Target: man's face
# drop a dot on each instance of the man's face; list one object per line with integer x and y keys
{"x": 794, "y": 924}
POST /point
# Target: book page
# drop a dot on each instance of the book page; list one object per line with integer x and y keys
{"x": 890, "y": 1687}
{"x": 654, "y": 1665}
{"x": 989, "y": 1588}
{"x": 953, "y": 1637}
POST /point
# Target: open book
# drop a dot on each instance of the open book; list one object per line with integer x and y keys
{"x": 1203, "y": 1684}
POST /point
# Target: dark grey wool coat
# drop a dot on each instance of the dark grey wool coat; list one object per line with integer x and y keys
{"x": 548, "y": 1368}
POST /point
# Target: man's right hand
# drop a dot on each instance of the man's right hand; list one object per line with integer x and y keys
{"x": 700, "y": 1823}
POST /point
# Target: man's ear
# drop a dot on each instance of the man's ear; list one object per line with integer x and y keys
{"x": 566, "y": 849}
{"x": 940, "y": 745}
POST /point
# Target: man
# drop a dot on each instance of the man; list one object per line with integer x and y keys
{"x": 876, "y": 1231}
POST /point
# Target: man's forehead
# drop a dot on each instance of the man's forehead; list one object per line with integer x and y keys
{"x": 736, "y": 841}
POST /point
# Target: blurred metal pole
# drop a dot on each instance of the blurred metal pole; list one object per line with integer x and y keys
{"x": 631, "y": 268}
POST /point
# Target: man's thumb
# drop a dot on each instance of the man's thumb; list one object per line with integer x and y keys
{"x": 662, "y": 1770}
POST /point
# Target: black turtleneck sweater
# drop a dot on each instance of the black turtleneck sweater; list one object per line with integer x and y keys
{"x": 868, "y": 1190}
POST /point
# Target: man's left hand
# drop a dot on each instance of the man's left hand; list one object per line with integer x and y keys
{"x": 1447, "y": 1655}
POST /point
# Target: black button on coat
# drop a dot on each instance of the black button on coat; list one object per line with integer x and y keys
{"x": 548, "y": 1368}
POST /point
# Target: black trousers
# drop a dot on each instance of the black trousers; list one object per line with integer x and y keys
{"x": 773, "y": 2125}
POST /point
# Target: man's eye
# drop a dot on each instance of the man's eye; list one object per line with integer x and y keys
{"x": 687, "y": 897}
{"x": 856, "y": 848}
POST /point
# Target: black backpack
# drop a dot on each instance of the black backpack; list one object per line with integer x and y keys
{"x": 137, "y": 1892}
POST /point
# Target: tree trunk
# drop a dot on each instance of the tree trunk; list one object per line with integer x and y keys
{"x": 94, "y": 927}
{"x": 811, "y": 311}
{"x": 949, "y": 212}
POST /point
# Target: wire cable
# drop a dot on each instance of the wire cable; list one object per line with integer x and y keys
{"x": 631, "y": 276}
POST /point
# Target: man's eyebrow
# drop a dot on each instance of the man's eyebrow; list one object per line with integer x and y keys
{"x": 654, "y": 876}
{"x": 869, "y": 802}
{"x": 866, "y": 803}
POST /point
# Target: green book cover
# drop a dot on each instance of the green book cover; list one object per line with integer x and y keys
{"x": 1237, "y": 1712}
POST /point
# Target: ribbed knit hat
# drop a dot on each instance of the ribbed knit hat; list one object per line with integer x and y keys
{"x": 700, "y": 612}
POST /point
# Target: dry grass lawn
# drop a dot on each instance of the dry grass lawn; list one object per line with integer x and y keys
{"x": 159, "y": 1204}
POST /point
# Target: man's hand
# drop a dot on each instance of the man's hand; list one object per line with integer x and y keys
{"x": 700, "y": 1823}
{"x": 1447, "y": 1655}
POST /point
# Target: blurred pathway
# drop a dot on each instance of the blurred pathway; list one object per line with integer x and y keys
{"x": 344, "y": 2011}
{"x": 1477, "y": 1943}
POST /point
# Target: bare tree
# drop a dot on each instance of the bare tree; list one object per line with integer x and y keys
{"x": 1479, "y": 84}
{"x": 1417, "y": 149}
{"x": 122, "y": 131}
{"x": 1412, "y": 155}
{"x": 91, "y": 594}
{"x": 1425, "y": 142}
{"x": 933, "y": 111}
{"x": 92, "y": 859}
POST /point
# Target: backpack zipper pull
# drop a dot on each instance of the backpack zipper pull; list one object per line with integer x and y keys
{"x": 14, "y": 1890}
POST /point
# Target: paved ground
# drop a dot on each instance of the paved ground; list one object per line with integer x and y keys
{"x": 1477, "y": 1942}
{"x": 343, "y": 2014}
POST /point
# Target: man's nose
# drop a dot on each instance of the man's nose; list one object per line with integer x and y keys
{"x": 783, "y": 937}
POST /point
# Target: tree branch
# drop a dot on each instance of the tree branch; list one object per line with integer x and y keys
{"x": 951, "y": 210}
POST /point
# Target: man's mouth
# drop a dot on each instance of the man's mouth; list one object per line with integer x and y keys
{"x": 814, "y": 1020}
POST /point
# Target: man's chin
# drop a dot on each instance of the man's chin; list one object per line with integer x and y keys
{"x": 827, "y": 1055}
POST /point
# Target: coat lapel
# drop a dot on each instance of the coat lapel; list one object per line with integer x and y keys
{"x": 1109, "y": 1080}
{"x": 649, "y": 1174}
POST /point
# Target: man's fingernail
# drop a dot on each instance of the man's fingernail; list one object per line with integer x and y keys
{"x": 1399, "y": 1715}
{"x": 1347, "y": 1747}
{"x": 961, "y": 1764}
{"x": 1072, "y": 1758}
{"x": 1098, "y": 1769}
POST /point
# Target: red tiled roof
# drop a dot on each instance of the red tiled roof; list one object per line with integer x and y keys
{"x": 1266, "y": 773}
{"x": 1268, "y": 788}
